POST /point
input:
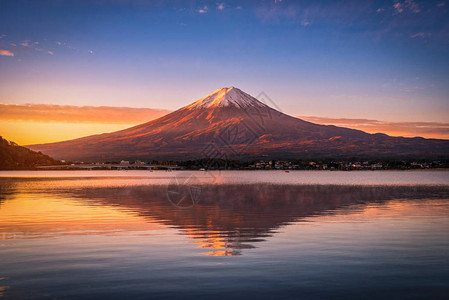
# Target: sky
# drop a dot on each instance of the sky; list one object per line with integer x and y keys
{"x": 378, "y": 61}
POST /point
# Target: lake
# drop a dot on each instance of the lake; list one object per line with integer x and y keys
{"x": 224, "y": 234}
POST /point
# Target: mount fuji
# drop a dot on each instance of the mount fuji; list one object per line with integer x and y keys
{"x": 229, "y": 123}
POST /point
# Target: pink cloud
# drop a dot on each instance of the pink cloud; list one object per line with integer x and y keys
{"x": 407, "y": 129}
{"x": 203, "y": 10}
{"x": 4, "y": 52}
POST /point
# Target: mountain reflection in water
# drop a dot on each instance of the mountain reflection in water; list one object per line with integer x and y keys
{"x": 227, "y": 219}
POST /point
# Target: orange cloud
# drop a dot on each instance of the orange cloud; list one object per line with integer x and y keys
{"x": 407, "y": 129}
{"x": 78, "y": 114}
{"x": 4, "y": 52}
{"x": 44, "y": 123}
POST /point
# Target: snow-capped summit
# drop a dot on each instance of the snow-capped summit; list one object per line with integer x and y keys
{"x": 226, "y": 97}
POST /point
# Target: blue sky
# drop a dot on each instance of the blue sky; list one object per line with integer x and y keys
{"x": 386, "y": 60}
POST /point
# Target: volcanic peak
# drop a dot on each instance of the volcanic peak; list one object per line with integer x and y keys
{"x": 226, "y": 97}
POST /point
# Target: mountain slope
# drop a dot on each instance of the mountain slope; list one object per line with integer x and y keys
{"x": 13, "y": 157}
{"x": 229, "y": 123}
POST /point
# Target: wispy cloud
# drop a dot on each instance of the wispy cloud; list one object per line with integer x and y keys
{"x": 27, "y": 46}
{"x": 377, "y": 20}
{"x": 66, "y": 45}
{"x": 421, "y": 35}
{"x": 407, "y": 85}
{"x": 47, "y": 47}
{"x": 4, "y": 52}
{"x": 305, "y": 22}
{"x": 415, "y": 88}
{"x": 406, "y": 129}
{"x": 399, "y": 7}
{"x": 78, "y": 114}
{"x": 26, "y": 43}
{"x": 406, "y": 6}
{"x": 220, "y": 6}
{"x": 203, "y": 10}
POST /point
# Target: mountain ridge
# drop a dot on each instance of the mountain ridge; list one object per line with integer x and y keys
{"x": 15, "y": 157}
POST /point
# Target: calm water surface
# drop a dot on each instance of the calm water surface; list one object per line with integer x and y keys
{"x": 224, "y": 235}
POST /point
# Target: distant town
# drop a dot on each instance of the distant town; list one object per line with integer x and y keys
{"x": 221, "y": 164}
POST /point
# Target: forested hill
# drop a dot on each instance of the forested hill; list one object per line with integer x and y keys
{"x": 15, "y": 157}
